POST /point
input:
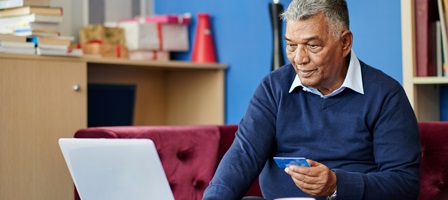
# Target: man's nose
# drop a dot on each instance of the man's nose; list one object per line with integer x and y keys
{"x": 301, "y": 56}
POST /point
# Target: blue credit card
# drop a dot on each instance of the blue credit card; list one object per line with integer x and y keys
{"x": 284, "y": 162}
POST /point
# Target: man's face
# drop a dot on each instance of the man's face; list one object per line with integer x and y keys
{"x": 317, "y": 56}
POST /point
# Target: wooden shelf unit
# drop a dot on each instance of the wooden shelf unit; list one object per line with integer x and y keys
{"x": 39, "y": 105}
{"x": 423, "y": 92}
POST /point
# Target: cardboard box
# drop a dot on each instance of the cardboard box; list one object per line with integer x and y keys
{"x": 102, "y": 34}
{"x": 105, "y": 50}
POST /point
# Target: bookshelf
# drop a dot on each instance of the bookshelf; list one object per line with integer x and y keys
{"x": 41, "y": 102}
{"x": 423, "y": 92}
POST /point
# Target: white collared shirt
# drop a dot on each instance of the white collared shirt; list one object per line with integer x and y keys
{"x": 353, "y": 80}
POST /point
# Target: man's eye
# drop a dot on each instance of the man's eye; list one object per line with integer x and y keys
{"x": 311, "y": 46}
{"x": 291, "y": 47}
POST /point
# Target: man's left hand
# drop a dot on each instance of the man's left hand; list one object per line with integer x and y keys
{"x": 316, "y": 180}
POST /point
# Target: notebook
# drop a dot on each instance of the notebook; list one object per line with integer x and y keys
{"x": 115, "y": 169}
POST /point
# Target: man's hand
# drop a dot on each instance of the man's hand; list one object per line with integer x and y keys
{"x": 316, "y": 180}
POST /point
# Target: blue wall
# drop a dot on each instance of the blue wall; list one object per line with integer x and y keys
{"x": 242, "y": 35}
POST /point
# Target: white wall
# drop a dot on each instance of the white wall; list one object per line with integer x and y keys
{"x": 74, "y": 16}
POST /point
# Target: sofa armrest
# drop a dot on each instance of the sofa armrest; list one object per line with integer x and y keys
{"x": 434, "y": 163}
{"x": 227, "y": 136}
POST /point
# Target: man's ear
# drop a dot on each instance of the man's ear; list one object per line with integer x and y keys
{"x": 346, "y": 42}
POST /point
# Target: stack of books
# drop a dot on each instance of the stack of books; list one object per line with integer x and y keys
{"x": 37, "y": 24}
{"x": 31, "y": 20}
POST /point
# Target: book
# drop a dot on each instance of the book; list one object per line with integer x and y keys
{"x": 59, "y": 52}
{"x": 54, "y": 46}
{"x": 37, "y": 32}
{"x": 439, "y": 51}
{"x": 12, "y": 38}
{"x": 17, "y": 44}
{"x": 36, "y": 2}
{"x": 31, "y": 18}
{"x": 445, "y": 40}
{"x": 43, "y": 25}
{"x": 443, "y": 27}
{"x": 37, "y": 29}
{"x": 25, "y": 10}
{"x": 60, "y": 41}
{"x": 17, "y": 50}
{"x": 425, "y": 30}
{"x": 10, "y": 3}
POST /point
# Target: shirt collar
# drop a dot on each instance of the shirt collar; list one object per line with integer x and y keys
{"x": 353, "y": 79}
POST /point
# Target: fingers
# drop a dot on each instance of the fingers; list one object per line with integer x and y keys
{"x": 314, "y": 170}
{"x": 313, "y": 163}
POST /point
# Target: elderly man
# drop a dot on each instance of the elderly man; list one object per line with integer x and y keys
{"x": 352, "y": 122}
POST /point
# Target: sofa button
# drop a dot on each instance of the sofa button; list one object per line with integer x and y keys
{"x": 185, "y": 154}
{"x": 198, "y": 184}
{"x": 441, "y": 185}
{"x": 181, "y": 156}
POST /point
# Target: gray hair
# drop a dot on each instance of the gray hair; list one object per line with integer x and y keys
{"x": 336, "y": 12}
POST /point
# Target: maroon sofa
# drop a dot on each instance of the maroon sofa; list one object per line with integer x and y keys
{"x": 190, "y": 155}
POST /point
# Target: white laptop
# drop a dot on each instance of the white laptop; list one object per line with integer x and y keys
{"x": 115, "y": 169}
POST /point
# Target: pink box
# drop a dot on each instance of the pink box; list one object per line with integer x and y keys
{"x": 161, "y": 33}
{"x": 163, "y": 19}
{"x": 149, "y": 55}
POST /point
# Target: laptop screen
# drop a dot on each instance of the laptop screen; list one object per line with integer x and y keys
{"x": 115, "y": 169}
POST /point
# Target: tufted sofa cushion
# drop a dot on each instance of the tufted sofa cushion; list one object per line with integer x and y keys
{"x": 434, "y": 163}
{"x": 188, "y": 153}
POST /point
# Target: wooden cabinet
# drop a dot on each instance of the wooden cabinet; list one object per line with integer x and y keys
{"x": 43, "y": 99}
{"x": 423, "y": 92}
{"x": 37, "y": 106}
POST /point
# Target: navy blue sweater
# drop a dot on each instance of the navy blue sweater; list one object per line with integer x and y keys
{"x": 370, "y": 140}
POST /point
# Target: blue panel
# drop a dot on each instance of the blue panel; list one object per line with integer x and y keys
{"x": 243, "y": 40}
{"x": 444, "y": 103}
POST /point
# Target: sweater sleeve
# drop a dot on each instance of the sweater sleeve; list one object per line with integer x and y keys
{"x": 253, "y": 143}
{"x": 397, "y": 152}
